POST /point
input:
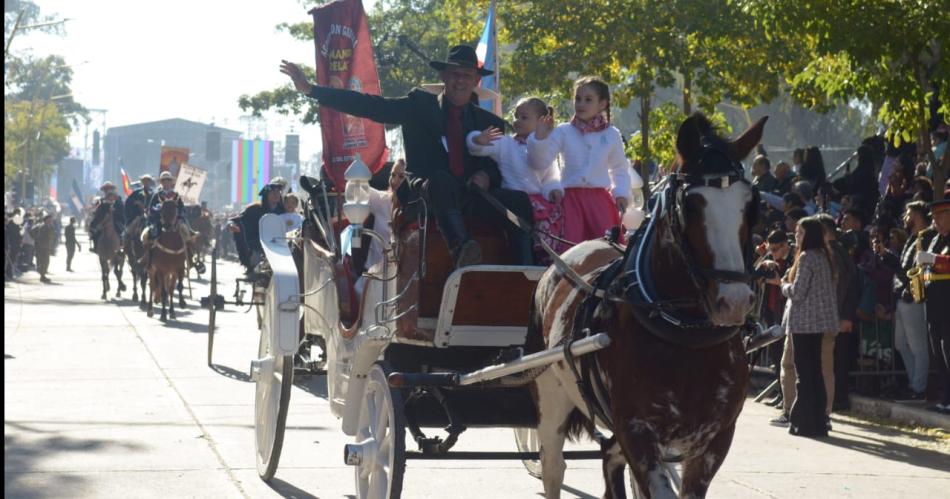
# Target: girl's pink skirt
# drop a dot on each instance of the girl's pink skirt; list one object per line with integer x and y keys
{"x": 588, "y": 213}
{"x": 549, "y": 220}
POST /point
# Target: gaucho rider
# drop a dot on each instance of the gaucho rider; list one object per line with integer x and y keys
{"x": 245, "y": 226}
{"x": 110, "y": 201}
{"x": 440, "y": 166}
{"x": 135, "y": 204}
{"x": 166, "y": 193}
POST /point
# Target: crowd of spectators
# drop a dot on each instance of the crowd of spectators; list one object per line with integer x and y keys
{"x": 873, "y": 216}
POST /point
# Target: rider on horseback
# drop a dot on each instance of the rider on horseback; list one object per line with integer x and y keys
{"x": 245, "y": 226}
{"x": 166, "y": 193}
{"x": 135, "y": 204}
{"x": 110, "y": 202}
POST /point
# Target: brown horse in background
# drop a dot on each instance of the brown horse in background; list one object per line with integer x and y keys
{"x": 109, "y": 250}
{"x": 167, "y": 260}
{"x": 672, "y": 382}
{"x": 135, "y": 250}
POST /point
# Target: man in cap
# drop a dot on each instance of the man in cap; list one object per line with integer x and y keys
{"x": 245, "y": 226}
{"x": 441, "y": 169}
{"x": 937, "y": 294}
{"x": 111, "y": 201}
{"x": 135, "y": 204}
{"x": 166, "y": 193}
{"x": 44, "y": 236}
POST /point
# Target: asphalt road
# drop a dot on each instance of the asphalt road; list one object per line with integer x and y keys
{"x": 101, "y": 401}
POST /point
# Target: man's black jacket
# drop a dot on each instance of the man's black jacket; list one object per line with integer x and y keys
{"x": 422, "y": 116}
{"x": 136, "y": 203}
{"x": 118, "y": 214}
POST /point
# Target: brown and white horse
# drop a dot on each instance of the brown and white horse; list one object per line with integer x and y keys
{"x": 167, "y": 260}
{"x": 672, "y": 383}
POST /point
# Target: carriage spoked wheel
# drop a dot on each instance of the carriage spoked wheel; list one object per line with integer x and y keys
{"x": 379, "y": 454}
{"x": 212, "y": 302}
{"x": 274, "y": 377}
{"x": 526, "y": 439}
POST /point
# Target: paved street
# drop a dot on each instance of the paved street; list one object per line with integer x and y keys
{"x": 101, "y": 401}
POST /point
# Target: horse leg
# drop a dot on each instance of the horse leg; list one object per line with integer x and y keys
{"x": 639, "y": 445}
{"x": 154, "y": 295}
{"x": 171, "y": 304}
{"x": 135, "y": 284}
{"x": 118, "y": 271}
{"x": 181, "y": 292}
{"x": 143, "y": 281}
{"x": 699, "y": 471}
{"x": 554, "y": 409}
{"x": 613, "y": 465}
{"x": 104, "y": 272}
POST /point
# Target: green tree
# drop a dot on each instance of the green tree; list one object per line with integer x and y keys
{"x": 404, "y": 33}
{"x": 35, "y": 138}
{"x": 888, "y": 53}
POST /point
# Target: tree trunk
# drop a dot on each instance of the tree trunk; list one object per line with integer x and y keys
{"x": 687, "y": 89}
{"x": 645, "y": 143}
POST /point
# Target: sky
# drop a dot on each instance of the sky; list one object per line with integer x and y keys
{"x": 188, "y": 59}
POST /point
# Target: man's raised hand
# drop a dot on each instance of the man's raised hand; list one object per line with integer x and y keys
{"x": 296, "y": 74}
{"x": 488, "y": 136}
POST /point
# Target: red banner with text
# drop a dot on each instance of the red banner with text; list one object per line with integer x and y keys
{"x": 345, "y": 60}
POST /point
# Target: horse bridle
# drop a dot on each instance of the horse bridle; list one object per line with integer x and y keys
{"x": 678, "y": 188}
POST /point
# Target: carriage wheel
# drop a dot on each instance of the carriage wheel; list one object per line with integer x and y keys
{"x": 212, "y": 301}
{"x": 380, "y": 439}
{"x": 274, "y": 381}
{"x": 526, "y": 439}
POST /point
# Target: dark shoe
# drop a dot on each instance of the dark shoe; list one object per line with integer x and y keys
{"x": 45, "y": 280}
{"x": 780, "y": 421}
{"x": 775, "y": 402}
{"x": 467, "y": 253}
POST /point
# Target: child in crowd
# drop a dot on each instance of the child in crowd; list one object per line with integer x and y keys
{"x": 541, "y": 183}
{"x": 595, "y": 173}
{"x": 381, "y": 207}
{"x": 291, "y": 217}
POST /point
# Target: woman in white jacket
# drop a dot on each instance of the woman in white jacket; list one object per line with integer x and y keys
{"x": 595, "y": 173}
{"x": 542, "y": 185}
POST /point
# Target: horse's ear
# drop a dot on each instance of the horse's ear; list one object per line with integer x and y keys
{"x": 688, "y": 137}
{"x": 745, "y": 143}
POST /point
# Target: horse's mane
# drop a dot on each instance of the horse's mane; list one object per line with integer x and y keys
{"x": 698, "y": 133}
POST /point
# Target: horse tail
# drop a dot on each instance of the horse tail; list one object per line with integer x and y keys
{"x": 578, "y": 425}
{"x": 534, "y": 340}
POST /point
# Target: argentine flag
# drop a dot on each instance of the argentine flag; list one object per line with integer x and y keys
{"x": 487, "y": 51}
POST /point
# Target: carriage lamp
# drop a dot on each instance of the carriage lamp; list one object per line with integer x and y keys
{"x": 356, "y": 207}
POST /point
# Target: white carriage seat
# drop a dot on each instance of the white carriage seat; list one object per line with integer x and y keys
{"x": 381, "y": 206}
{"x": 486, "y": 305}
{"x": 281, "y": 310}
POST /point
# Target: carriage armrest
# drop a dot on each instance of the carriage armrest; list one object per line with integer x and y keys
{"x": 486, "y": 305}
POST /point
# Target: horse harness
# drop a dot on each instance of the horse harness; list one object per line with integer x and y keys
{"x": 628, "y": 279}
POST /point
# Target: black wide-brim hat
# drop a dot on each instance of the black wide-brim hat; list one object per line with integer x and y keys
{"x": 461, "y": 56}
{"x": 942, "y": 204}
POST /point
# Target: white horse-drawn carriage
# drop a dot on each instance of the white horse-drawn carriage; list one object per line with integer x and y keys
{"x": 424, "y": 346}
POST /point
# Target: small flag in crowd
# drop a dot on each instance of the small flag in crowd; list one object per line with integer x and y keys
{"x": 52, "y": 186}
{"x": 125, "y": 182}
{"x": 487, "y": 51}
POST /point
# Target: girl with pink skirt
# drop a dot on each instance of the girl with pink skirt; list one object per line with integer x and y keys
{"x": 594, "y": 170}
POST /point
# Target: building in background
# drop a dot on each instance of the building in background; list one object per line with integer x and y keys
{"x": 137, "y": 149}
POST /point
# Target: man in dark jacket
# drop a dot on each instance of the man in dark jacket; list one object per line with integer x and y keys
{"x": 937, "y": 259}
{"x": 118, "y": 217}
{"x": 442, "y": 171}
{"x": 71, "y": 243}
{"x": 135, "y": 204}
{"x": 246, "y": 226}
{"x": 910, "y": 320}
{"x": 154, "y": 209}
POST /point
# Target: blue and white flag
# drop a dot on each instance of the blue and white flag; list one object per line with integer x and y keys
{"x": 487, "y": 51}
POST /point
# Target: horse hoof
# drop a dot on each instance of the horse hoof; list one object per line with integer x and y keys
{"x": 181, "y": 304}
{"x": 150, "y": 314}
{"x": 171, "y": 316}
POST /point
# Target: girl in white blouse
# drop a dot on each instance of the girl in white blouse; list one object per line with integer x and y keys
{"x": 543, "y": 186}
{"x": 595, "y": 172}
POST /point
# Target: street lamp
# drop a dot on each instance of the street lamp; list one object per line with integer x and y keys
{"x": 356, "y": 208}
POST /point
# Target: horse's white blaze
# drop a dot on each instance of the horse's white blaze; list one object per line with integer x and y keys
{"x": 723, "y": 217}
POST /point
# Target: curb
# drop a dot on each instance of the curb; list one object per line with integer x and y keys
{"x": 900, "y": 412}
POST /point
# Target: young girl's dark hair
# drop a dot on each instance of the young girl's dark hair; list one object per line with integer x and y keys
{"x": 538, "y": 105}
{"x": 599, "y": 86}
{"x": 813, "y": 240}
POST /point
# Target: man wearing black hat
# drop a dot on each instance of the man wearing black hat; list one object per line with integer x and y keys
{"x": 246, "y": 229}
{"x": 440, "y": 166}
{"x": 135, "y": 204}
{"x": 937, "y": 295}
